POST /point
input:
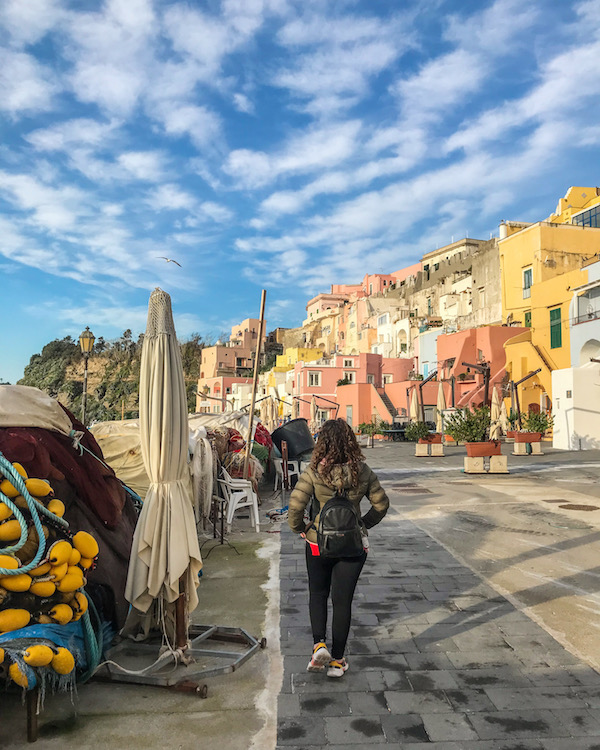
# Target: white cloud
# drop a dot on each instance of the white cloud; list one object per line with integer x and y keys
{"x": 197, "y": 122}
{"x": 169, "y": 197}
{"x": 216, "y": 212}
{"x": 50, "y": 208}
{"x": 316, "y": 149}
{"x": 243, "y": 103}
{"x": 68, "y": 134}
{"x": 25, "y": 85}
{"x": 143, "y": 165}
{"x": 28, "y": 22}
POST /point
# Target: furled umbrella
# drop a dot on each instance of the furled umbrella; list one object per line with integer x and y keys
{"x": 313, "y": 414}
{"x": 165, "y": 557}
{"x": 265, "y": 413}
{"x": 295, "y": 408}
{"x": 504, "y": 424}
{"x": 440, "y": 406}
{"x": 414, "y": 406}
{"x": 274, "y": 412}
{"x": 495, "y": 415}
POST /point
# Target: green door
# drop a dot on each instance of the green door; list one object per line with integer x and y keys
{"x": 555, "y": 329}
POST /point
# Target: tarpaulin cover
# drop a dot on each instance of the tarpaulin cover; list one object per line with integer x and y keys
{"x": 23, "y": 406}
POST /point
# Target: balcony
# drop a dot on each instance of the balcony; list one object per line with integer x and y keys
{"x": 586, "y": 317}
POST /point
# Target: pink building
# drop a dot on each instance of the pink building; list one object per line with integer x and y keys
{"x": 367, "y": 377}
{"x": 404, "y": 273}
{"x": 375, "y": 283}
{"x": 475, "y": 346}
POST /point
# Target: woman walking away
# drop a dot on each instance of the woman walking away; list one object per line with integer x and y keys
{"x": 339, "y": 478}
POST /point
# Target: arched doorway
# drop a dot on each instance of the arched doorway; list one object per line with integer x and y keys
{"x": 590, "y": 350}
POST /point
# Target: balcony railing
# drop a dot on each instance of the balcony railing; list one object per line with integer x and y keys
{"x": 587, "y": 316}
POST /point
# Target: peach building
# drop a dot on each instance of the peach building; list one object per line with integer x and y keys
{"x": 223, "y": 365}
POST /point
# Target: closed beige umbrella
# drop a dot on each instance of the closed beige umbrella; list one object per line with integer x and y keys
{"x": 165, "y": 545}
{"x": 504, "y": 418}
{"x": 265, "y": 413}
{"x": 274, "y": 413}
{"x": 295, "y": 408}
{"x": 440, "y": 406}
{"x": 414, "y": 406}
{"x": 313, "y": 414}
{"x": 495, "y": 416}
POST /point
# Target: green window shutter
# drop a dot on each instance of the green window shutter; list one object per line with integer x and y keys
{"x": 555, "y": 329}
{"x": 528, "y": 319}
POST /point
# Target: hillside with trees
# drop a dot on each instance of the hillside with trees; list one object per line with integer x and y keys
{"x": 113, "y": 374}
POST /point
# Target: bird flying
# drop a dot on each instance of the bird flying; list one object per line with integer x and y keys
{"x": 169, "y": 260}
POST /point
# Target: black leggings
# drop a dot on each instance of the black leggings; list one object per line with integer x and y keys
{"x": 340, "y": 576}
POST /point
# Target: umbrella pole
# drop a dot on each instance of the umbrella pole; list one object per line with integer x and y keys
{"x": 254, "y": 383}
{"x": 181, "y": 631}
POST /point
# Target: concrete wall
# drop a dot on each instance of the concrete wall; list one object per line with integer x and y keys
{"x": 576, "y": 407}
{"x": 585, "y": 335}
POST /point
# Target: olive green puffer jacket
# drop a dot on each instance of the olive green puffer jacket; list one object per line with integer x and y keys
{"x": 311, "y": 482}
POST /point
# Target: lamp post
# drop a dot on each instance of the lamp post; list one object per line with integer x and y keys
{"x": 86, "y": 342}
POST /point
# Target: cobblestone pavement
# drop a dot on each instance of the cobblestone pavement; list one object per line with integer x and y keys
{"x": 436, "y": 656}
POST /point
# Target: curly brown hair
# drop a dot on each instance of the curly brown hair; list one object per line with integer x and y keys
{"x": 336, "y": 445}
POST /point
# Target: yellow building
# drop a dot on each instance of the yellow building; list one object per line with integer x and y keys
{"x": 293, "y": 355}
{"x": 540, "y": 265}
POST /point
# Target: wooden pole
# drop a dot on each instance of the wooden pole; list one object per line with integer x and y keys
{"x": 254, "y": 383}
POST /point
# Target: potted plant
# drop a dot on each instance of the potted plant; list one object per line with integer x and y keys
{"x": 417, "y": 432}
{"x": 472, "y": 428}
{"x": 513, "y": 419}
{"x": 535, "y": 424}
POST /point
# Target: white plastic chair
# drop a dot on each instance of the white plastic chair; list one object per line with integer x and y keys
{"x": 239, "y": 493}
{"x": 293, "y": 470}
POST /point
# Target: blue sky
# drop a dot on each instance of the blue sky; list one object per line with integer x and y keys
{"x": 276, "y": 143}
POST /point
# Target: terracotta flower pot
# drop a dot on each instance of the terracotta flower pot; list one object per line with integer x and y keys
{"x": 511, "y": 434}
{"x": 436, "y": 437}
{"x": 528, "y": 437}
{"x": 481, "y": 450}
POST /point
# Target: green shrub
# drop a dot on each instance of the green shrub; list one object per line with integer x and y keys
{"x": 535, "y": 421}
{"x": 416, "y": 431}
{"x": 468, "y": 426}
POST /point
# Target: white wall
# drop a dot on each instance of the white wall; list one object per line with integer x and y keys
{"x": 576, "y": 418}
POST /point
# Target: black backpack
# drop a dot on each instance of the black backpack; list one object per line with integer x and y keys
{"x": 339, "y": 533}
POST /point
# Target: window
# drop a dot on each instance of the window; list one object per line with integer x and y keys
{"x": 429, "y": 307}
{"x": 370, "y": 288}
{"x": 371, "y": 379}
{"x": 349, "y": 415}
{"x": 314, "y": 379}
{"x": 349, "y": 376}
{"x": 348, "y": 363}
{"x": 387, "y": 379}
{"x": 383, "y": 319}
{"x": 527, "y": 280}
{"x": 480, "y": 355}
{"x": 589, "y": 218}
{"x": 528, "y": 319}
{"x": 555, "y": 329}
{"x": 384, "y": 282}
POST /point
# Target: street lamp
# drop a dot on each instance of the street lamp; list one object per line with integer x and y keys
{"x": 86, "y": 342}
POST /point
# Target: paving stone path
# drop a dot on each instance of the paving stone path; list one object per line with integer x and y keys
{"x": 436, "y": 656}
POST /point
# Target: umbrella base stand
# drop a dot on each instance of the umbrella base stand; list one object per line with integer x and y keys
{"x": 214, "y": 650}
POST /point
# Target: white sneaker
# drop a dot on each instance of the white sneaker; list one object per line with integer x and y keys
{"x": 337, "y": 668}
{"x": 320, "y": 658}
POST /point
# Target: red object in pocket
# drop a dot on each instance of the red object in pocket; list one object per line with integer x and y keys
{"x": 314, "y": 548}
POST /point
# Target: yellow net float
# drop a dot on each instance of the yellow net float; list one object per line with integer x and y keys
{"x": 61, "y": 614}
{"x": 5, "y": 512}
{"x": 8, "y": 562}
{"x": 59, "y": 552}
{"x": 8, "y": 489}
{"x": 69, "y": 583}
{"x": 38, "y": 655}
{"x": 58, "y": 572}
{"x": 18, "y": 583}
{"x": 13, "y": 619}
{"x": 57, "y": 507}
{"x": 41, "y": 570}
{"x": 86, "y": 544}
{"x": 63, "y": 661}
{"x": 75, "y": 557}
{"x": 38, "y": 487}
{"x": 20, "y": 470}
{"x": 10, "y": 531}
{"x": 44, "y": 589}
{"x": 15, "y": 674}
